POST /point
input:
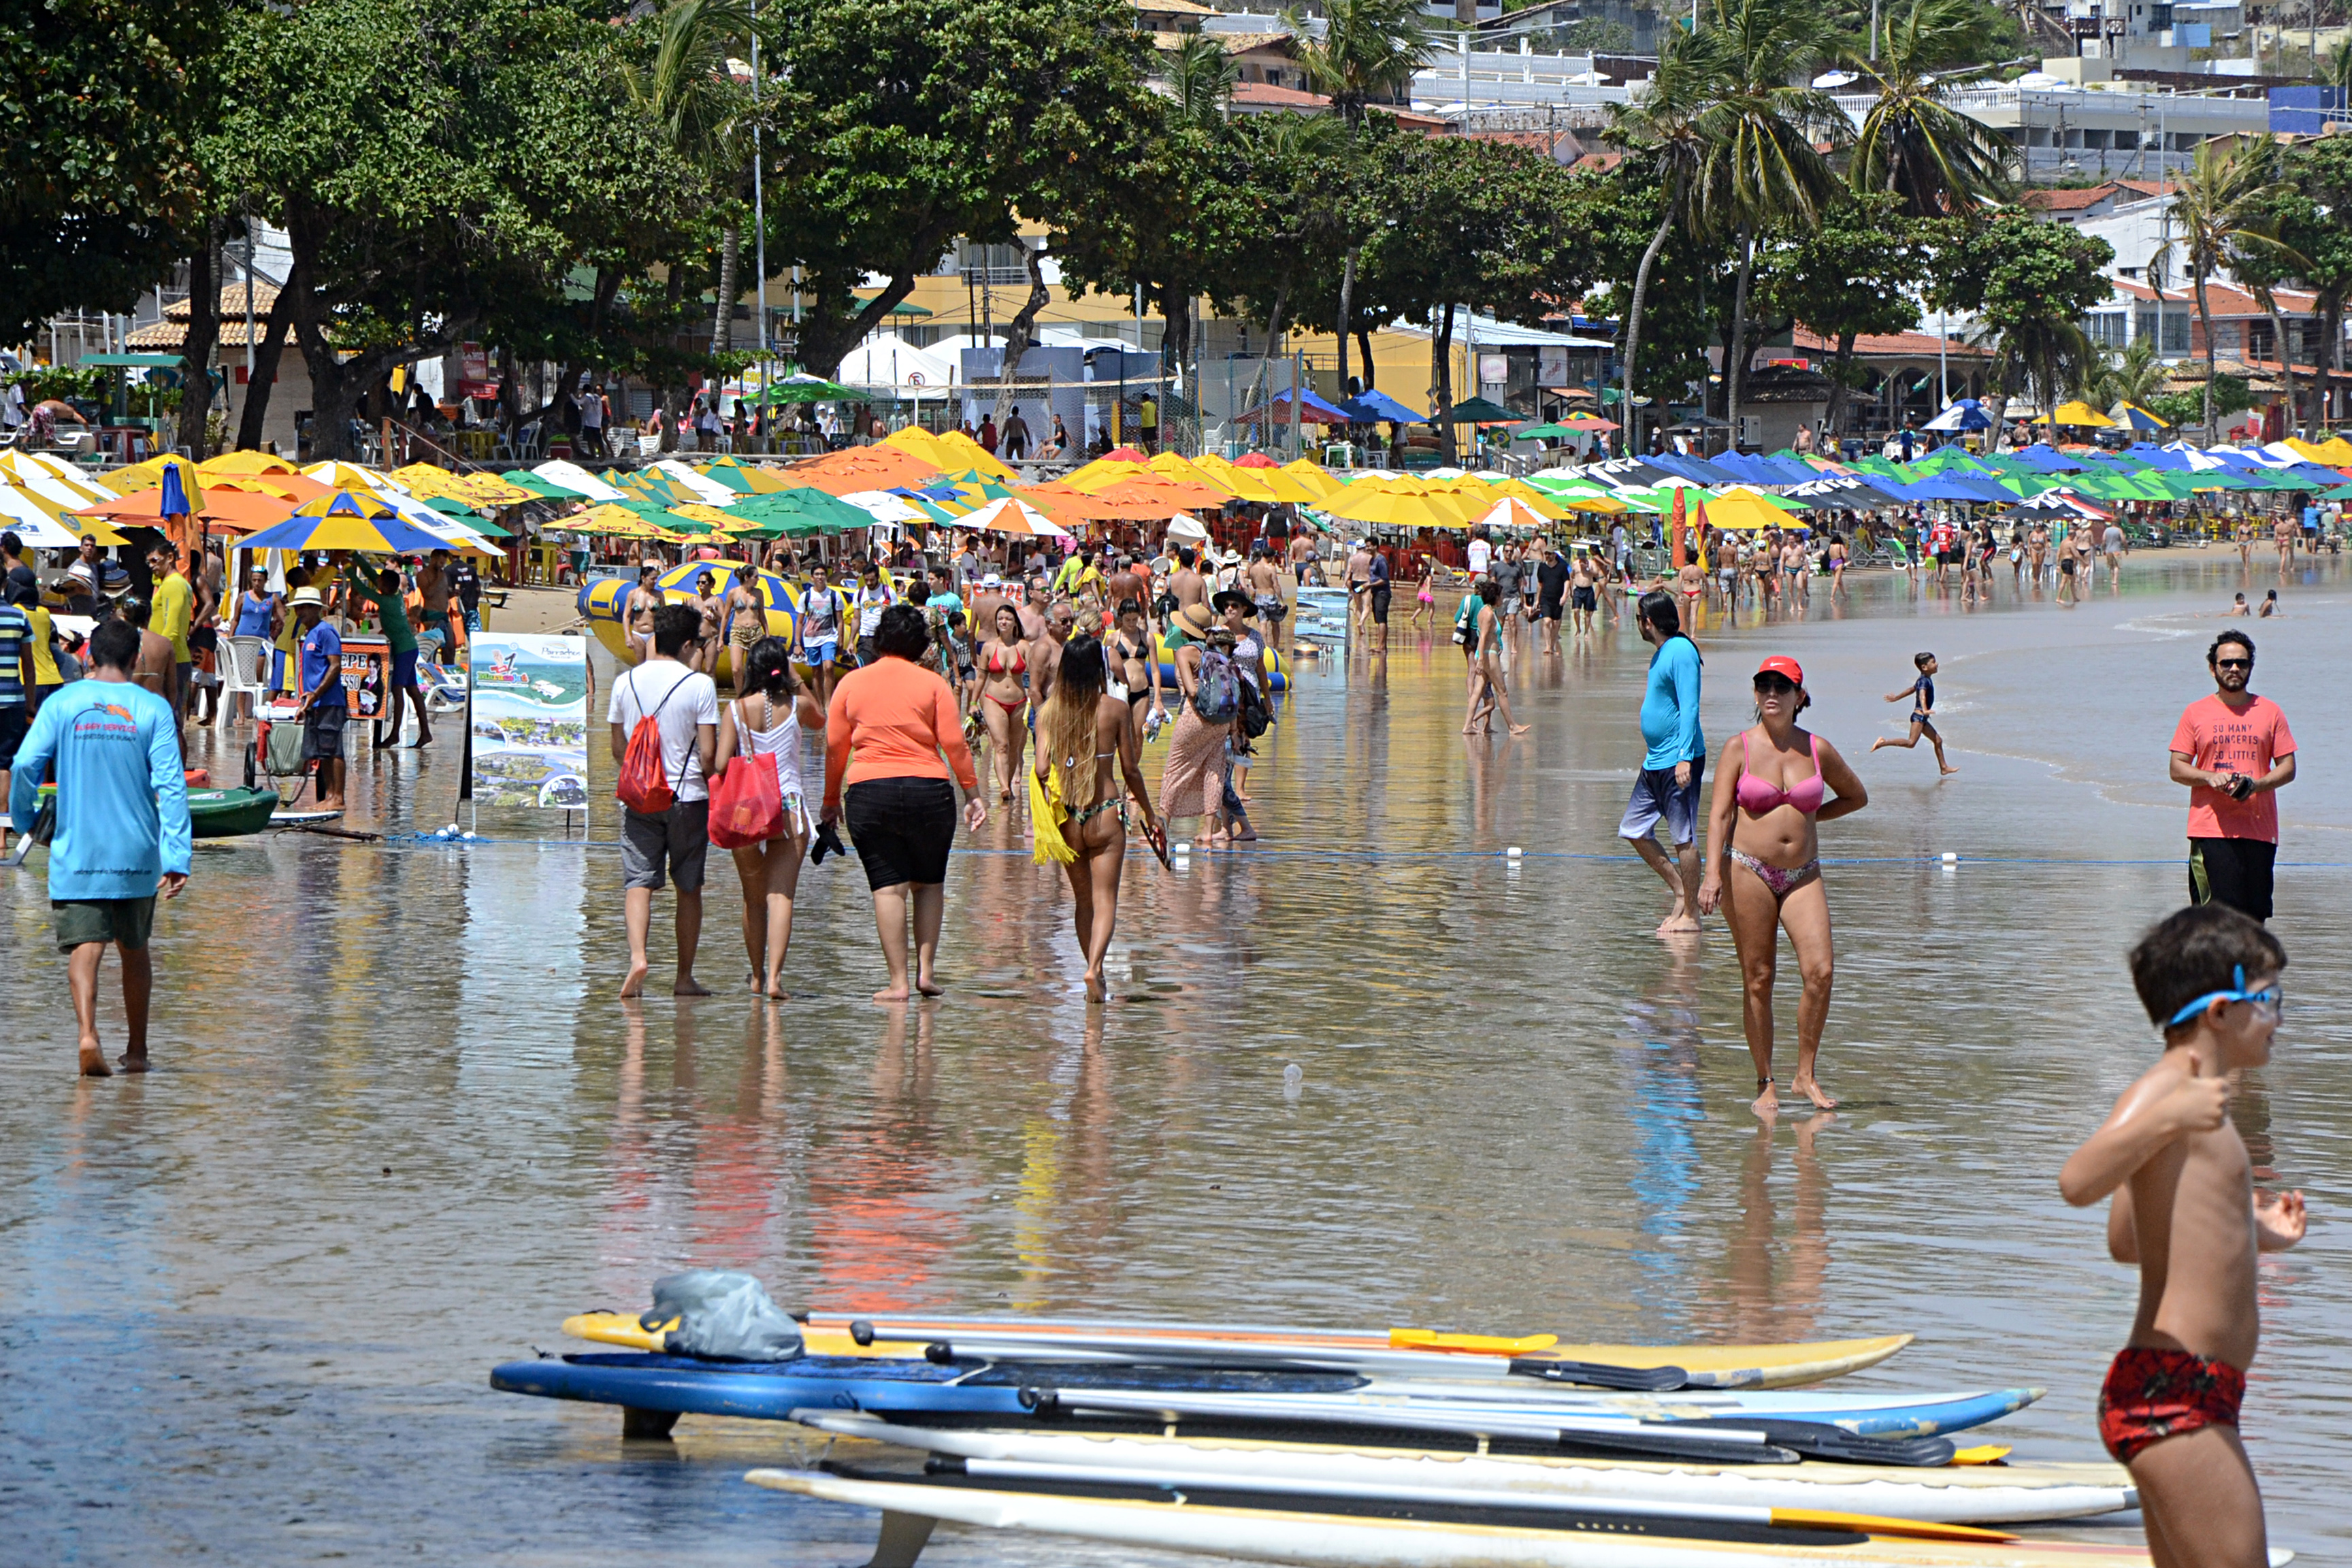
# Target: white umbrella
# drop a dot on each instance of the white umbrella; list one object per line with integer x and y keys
{"x": 884, "y": 507}
{"x": 1184, "y": 525}
{"x": 26, "y": 520}
{"x": 706, "y": 489}
{"x": 578, "y": 480}
{"x": 1011, "y": 515}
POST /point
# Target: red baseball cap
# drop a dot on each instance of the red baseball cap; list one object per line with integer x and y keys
{"x": 1782, "y": 664}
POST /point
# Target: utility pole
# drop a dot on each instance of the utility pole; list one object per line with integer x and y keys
{"x": 758, "y": 215}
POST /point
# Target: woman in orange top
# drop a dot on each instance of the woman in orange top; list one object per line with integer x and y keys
{"x": 888, "y": 725}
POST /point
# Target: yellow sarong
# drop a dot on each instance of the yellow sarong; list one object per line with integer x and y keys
{"x": 1045, "y": 813}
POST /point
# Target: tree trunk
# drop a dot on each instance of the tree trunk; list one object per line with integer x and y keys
{"x": 1265, "y": 367}
{"x": 1840, "y": 365}
{"x": 1016, "y": 336}
{"x": 1441, "y": 380}
{"x": 722, "y": 321}
{"x": 826, "y": 336}
{"x": 2205, "y": 318}
{"x": 204, "y": 336}
{"x": 1347, "y": 313}
{"x": 1736, "y": 353}
{"x": 268, "y": 350}
{"x": 1364, "y": 343}
{"x": 1634, "y": 315}
{"x": 2329, "y": 359}
{"x": 2285, "y": 356}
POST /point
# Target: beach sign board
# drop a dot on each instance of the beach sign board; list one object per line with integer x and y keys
{"x": 528, "y": 721}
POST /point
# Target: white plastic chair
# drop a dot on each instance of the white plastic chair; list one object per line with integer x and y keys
{"x": 244, "y": 665}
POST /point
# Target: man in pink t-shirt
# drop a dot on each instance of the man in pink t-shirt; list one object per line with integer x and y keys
{"x": 2231, "y": 750}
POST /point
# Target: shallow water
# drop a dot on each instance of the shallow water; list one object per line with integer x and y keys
{"x": 402, "y": 1126}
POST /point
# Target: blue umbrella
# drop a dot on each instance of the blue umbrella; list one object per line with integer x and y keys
{"x": 1968, "y": 414}
{"x": 175, "y": 494}
{"x": 1373, "y": 404}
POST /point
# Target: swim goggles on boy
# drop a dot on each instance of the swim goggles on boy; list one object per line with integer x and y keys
{"x": 2270, "y": 996}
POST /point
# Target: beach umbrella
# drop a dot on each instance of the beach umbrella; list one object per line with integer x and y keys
{"x": 42, "y": 524}
{"x": 697, "y": 487}
{"x": 239, "y": 511}
{"x": 1255, "y": 460}
{"x": 1186, "y": 527}
{"x": 1013, "y": 516}
{"x": 1968, "y": 414}
{"x": 2131, "y": 416}
{"x": 349, "y": 477}
{"x": 1480, "y": 411}
{"x": 2081, "y": 414}
{"x": 1542, "y": 433}
{"x": 1746, "y": 512}
{"x": 1372, "y": 406}
{"x": 1512, "y": 513}
{"x": 883, "y": 506}
{"x": 805, "y": 388}
{"x": 1293, "y": 403}
{"x": 346, "y": 522}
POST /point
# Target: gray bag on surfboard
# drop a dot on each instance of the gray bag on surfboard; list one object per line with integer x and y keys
{"x": 723, "y": 1317}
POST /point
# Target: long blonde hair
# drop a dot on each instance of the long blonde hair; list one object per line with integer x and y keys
{"x": 1067, "y": 724}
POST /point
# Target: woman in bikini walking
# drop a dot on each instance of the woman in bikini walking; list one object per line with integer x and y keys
{"x": 1090, "y": 763}
{"x": 1004, "y": 694}
{"x": 1772, "y": 789}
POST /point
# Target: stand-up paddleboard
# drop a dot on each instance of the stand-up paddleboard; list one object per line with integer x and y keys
{"x": 1331, "y": 1534}
{"x": 1955, "y": 1494}
{"x": 1405, "y": 1351}
{"x": 1063, "y": 1391}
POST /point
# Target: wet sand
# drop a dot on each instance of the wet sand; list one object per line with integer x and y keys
{"x": 401, "y": 1127}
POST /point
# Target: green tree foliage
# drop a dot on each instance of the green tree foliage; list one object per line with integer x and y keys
{"x": 2311, "y": 213}
{"x": 898, "y": 128}
{"x": 1854, "y": 273}
{"x": 443, "y": 168}
{"x": 2220, "y": 213}
{"x": 98, "y": 103}
{"x": 1632, "y": 241}
{"x": 2029, "y": 283}
{"x": 1666, "y": 131}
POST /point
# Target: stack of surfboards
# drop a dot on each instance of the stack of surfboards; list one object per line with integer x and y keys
{"x": 1410, "y": 1447}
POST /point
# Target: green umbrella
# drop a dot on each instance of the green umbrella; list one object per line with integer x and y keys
{"x": 1543, "y": 433}
{"x": 546, "y": 490}
{"x": 809, "y": 389}
{"x": 1479, "y": 411}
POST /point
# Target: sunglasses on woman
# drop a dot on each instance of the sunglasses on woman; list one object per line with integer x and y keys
{"x": 1778, "y": 685}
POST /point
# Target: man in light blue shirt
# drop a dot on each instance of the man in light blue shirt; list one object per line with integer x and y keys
{"x": 1667, "y": 786}
{"x": 113, "y": 748}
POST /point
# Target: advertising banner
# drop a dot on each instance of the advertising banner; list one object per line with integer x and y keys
{"x": 529, "y": 720}
{"x": 1321, "y": 618}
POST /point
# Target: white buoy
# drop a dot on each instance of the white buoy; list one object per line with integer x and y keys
{"x": 1950, "y": 859}
{"x": 1513, "y": 853}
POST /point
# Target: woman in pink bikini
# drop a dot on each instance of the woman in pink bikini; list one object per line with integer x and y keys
{"x": 1772, "y": 789}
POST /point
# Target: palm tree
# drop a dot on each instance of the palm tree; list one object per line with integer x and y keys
{"x": 2133, "y": 375}
{"x": 1369, "y": 49}
{"x": 1913, "y": 142}
{"x": 1200, "y": 77}
{"x": 1663, "y": 129}
{"x": 2217, "y": 215}
{"x": 687, "y": 91}
{"x": 1763, "y": 161}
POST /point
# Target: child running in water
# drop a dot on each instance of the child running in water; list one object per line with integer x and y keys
{"x": 2186, "y": 1212}
{"x": 1922, "y": 693}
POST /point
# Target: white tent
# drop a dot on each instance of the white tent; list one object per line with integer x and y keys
{"x": 896, "y": 362}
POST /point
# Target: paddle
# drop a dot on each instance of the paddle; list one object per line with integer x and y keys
{"x": 1035, "y": 1470}
{"x": 1819, "y": 1440}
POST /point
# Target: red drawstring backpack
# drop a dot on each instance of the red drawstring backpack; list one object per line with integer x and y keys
{"x": 645, "y": 786}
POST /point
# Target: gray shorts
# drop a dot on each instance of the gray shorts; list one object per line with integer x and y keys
{"x": 1657, "y": 796}
{"x": 678, "y": 839}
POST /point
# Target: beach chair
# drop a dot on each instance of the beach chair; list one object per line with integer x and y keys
{"x": 243, "y": 667}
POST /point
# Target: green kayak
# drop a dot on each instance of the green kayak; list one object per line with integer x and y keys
{"x": 222, "y": 813}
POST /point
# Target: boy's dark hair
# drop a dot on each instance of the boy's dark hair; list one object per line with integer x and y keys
{"x": 134, "y": 609}
{"x": 1184, "y": 556}
{"x": 1922, "y": 660}
{"x": 2240, "y": 638}
{"x": 675, "y": 625}
{"x": 2197, "y": 951}
{"x": 114, "y": 644}
{"x": 901, "y": 631}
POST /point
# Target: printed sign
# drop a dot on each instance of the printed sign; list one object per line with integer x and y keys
{"x": 528, "y": 718}
{"x": 1321, "y": 616}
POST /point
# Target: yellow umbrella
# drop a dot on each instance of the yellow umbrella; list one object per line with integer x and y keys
{"x": 243, "y": 464}
{"x": 1603, "y": 505}
{"x": 717, "y": 517}
{"x": 30, "y": 471}
{"x": 2336, "y": 451}
{"x": 1743, "y": 513}
{"x": 426, "y": 482}
{"x": 1536, "y": 500}
{"x": 1102, "y": 473}
{"x": 1173, "y": 466}
{"x": 347, "y": 477}
{"x": 17, "y": 502}
{"x": 1312, "y": 475}
{"x": 1397, "y": 508}
{"x": 2081, "y": 413}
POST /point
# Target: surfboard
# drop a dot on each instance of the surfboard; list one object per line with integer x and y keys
{"x": 1054, "y": 1391}
{"x": 1317, "y": 1532}
{"x": 1466, "y": 1356}
{"x": 1956, "y": 1494}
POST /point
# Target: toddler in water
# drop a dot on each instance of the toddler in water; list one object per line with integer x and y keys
{"x": 2186, "y": 1212}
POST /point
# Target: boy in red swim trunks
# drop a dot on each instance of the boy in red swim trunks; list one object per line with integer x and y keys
{"x": 2187, "y": 1213}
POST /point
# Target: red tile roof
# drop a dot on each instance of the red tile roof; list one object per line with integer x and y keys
{"x": 2221, "y": 300}
{"x": 1892, "y": 345}
{"x": 1266, "y": 95}
{"x": 2061, "y": 201}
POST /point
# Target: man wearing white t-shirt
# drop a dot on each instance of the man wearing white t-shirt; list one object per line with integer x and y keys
{"x": 684, "y": 705}
{"x": 1482, "y": 554}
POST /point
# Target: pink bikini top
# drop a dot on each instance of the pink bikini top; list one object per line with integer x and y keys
{"x": 1756, "y": 797}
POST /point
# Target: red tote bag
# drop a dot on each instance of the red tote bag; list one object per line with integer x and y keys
{"x": 746, "y": 806}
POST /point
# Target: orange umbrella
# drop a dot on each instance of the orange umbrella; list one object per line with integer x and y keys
{"x": 855, "y": 468}
{"x": 237, "y": 511}
{"x": 296, "y": 488}
{"x": 1071, "y": 507}
{"x": 1166, "y": 496}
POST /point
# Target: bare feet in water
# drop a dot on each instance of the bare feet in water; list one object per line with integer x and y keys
{"x": 1680, "y": 922}
{"x": 892, "y": 993}
{"x": 131, "y": 1061}
{"x": 1766, "y": 1104}
{"x": 1096, "y": 989}
{"x": 687, "y": 985}
{"x": 93, "y": 1061}
{"x": 1813, "y": 1091}
{"x": 634, "y": 986}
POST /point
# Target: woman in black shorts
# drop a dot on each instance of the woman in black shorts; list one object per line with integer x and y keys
{"x": 886, "y": 729}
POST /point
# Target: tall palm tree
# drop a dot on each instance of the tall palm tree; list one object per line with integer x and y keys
{"x": 2133, "y": 375}
{"x": 2217, "y": 216}
{"x": 1913, "y": 142}
{"x": 1370, "y": 49}
{"x": 1661, "y": 128}
{"x": 687, "y": 89}
{"x": 1764, "y": 162}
